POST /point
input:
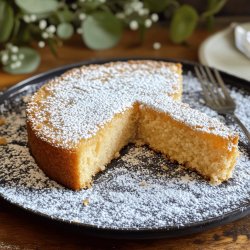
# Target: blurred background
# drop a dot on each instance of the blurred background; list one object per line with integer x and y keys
{"x": 232, "y": 8}
{"x": 39, "y": 35}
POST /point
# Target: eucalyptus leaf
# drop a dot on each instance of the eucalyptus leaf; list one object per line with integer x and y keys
{"x": 90, "y": 5}
{"x": 65, "y": 30}
{"x": 102, "y": 30}
{"x": 30, "y": 62}
{"x": 64, "y": 16}
{"x": 40, "y": 16}
{"x": 183, "y": 23}
{"x": 37, "y": 6}
{"x": 6, "y": 21}
{"x": 157, "y": 6}
{"x": 214, "y": 6}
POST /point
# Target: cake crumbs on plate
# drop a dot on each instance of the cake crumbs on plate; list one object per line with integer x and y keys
{"x": 86, "y": 202}
{"x": 3, "y": 141}
{"x": 26, "y": 98}
{"x": 2, "y": 121}
{"x": 143, "y": 183}
{"x": 165, "y": 167}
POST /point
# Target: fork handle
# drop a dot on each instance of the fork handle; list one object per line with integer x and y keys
{"x": 244, "y": 129}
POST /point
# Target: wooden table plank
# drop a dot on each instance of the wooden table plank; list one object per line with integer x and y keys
{"x": 21, "y": 230}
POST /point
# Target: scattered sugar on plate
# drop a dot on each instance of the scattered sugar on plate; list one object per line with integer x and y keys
{"x": 135, "y": 191}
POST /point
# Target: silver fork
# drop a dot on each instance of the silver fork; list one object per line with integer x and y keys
{"x": 216, "y": 94}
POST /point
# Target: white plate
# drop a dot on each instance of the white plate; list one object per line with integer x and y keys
{"x": 219, "y": 51}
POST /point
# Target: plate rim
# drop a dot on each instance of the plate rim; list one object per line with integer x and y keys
{"x": 132, "y": 233}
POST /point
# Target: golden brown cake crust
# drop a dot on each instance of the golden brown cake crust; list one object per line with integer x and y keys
{"x": 67, "y": 117}
{"x": 59, "y": 164}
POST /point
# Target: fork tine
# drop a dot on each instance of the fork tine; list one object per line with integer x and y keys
{"x": 204, "y": 88}
{"x": 212, "y": 97}
{"x": 210, "y": 87}
{"x": 222, "y": 85}
{"x": 211, "y": 78}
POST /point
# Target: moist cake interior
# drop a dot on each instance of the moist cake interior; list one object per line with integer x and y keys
{"x": 161, "y": 133}
{"x": 79, "y": 122}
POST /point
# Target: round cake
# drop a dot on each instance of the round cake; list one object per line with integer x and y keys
{"x": 78, "y": 122}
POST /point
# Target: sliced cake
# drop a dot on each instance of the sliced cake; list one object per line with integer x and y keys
{"x": 77, "y": 123}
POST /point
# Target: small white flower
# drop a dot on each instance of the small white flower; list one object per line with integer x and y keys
{"x": 45, "y": 35}
{"x": 33, "y": 18}
{"x": 154, "y": 17}
{"x": 51, "y": 29}
{"x": 18, "y": 64}
{"x": 128, "y": 11}
{"x": 41, "y": 44}
{"x": 102, "y": 1}
{"x": 4, "y": 58}
{"x": 74, "y": 6}
{"x": 137, "y": 5}
{"x": 9, "y": 46}
{"x": 21, "y": 56}
{"x": 14, "y": 49}
{"x": 143, "y": 12}
{"x": 120, "y": 15}
{"x": 146, "y": 11}
{"x": 82, "y": 16}
{"x": 157, "y": 45}
{"x": 79, "y": 31}
{"x": 148, "y": 23}
{"x": 26, "y": 18}
{"x": 13, "y": 58}
{"x": 42, "y": 24}
{"x": 133, "y": 25}
{"x": 13, "y": 66}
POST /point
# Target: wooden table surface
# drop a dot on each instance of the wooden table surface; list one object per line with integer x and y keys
{"x": 21, "y": 230}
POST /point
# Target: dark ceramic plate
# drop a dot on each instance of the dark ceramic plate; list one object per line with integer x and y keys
{"x": 137, "y": 196}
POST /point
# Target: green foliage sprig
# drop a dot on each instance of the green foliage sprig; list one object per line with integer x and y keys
{"x": 100, "y": 23}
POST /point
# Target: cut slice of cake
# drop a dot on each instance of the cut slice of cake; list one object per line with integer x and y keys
{"x": 189, "y": 137}
{"x": 78, "y": 122}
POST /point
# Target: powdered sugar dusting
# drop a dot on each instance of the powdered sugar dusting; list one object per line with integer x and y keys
{"x": 140, "y": 189}
{"x": 85, "y": 99}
